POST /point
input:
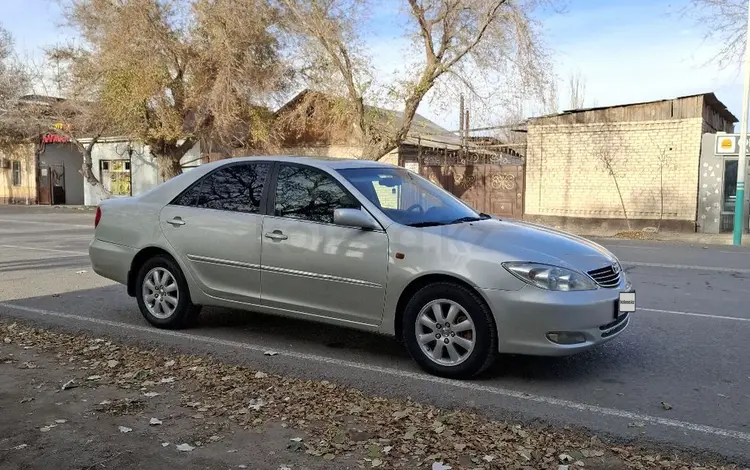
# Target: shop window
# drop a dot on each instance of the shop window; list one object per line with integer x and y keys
{"x": 115, "y": 176}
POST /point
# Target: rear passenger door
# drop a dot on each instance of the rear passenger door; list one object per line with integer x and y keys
{"x": 215, "y": 227}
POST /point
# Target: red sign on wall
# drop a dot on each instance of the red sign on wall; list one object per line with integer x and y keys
{"x": 54, "y": 139}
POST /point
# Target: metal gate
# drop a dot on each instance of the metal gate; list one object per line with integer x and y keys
{"x": 489, "y": 183}
{"x": 51, "y": 184}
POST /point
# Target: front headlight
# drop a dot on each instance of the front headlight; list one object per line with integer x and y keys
{"x": 550, "y": 277}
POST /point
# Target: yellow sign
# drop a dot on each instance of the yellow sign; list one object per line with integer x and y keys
{"x": 726, "y": 144}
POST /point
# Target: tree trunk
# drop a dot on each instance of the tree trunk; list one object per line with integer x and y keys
{"x": 622, "y": 201}
{"x": 87, "y": 168}
{"x": 169, "y": 166}
{"x": 661, "y": 193}
{"x": 374, "y": 150}
{"x": 168, "y": 156}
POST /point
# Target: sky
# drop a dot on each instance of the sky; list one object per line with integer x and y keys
{"x": 626, "y": 50}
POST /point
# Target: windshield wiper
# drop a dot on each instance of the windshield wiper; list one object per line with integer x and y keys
{"x": 461, "y": 220}
{"x": 432, "y": 223}
{"x": 435, "y": 223}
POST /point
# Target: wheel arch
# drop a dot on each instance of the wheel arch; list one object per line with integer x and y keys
{"x": 424, "y": 280}
{"x": 140, "y": 258}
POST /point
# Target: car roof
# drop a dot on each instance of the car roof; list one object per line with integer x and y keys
{"x": 329, "y": 162}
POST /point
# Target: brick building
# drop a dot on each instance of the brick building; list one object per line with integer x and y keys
{"x": 652, "y": 149}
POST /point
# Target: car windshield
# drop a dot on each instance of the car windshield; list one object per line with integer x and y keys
{"x": 409, "y": 199}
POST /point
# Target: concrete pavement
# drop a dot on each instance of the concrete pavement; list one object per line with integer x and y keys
{"x": 688, "y": 344}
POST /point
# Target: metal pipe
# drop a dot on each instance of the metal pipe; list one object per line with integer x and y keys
{"x": 739, "y": 201}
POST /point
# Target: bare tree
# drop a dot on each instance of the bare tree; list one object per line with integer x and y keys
{"x": 611, "y": 155}
{"x": 74, "y": 118}
{"x": 577, "y": 88}
{"x": 725, "y": 21}
{"x": 456, "y": 39}
{"x": 172, "y": 73}
{"x": 665, "y": 162}
{"x": 14, "y": 82}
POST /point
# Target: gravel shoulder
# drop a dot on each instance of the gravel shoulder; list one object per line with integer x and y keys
{"x": 76, "y": 401}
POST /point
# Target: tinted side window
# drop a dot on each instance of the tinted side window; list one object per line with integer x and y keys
{"x": 309, "y": 194}
{"x": 236, "y": 188}
{"x": 189, "y": 197}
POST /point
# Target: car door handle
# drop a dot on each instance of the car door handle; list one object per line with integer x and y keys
{"x": 276, "y": 235}
{"x": 176, "y": 222}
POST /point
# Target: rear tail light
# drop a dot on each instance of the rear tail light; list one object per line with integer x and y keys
{"x": 98, "y": 216}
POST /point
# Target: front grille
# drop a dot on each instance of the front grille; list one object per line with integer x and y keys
{"x": 606, "y": 277}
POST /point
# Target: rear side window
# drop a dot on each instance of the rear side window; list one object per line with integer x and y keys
{"x": 234, "y": 188}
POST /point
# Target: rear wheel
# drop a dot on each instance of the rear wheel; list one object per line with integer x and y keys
{"x": 449, "y": 331}
{"x": 163, "y": 295}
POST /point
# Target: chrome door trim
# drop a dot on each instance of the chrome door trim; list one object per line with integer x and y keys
{"x": 323, "y": 277}
{"x": 222, "y": 262}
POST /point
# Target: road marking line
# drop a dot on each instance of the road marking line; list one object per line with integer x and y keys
{"x": 635, "y": 247}
{"x": 692, "y": 314}
{"x": 33, "y": 248}
{"x": 686, "y": 266}
{"x": 600, "y": 410}
{"x": 37, "y": 222}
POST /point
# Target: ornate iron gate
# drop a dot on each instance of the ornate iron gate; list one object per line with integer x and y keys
{"x": 491, "y": 183}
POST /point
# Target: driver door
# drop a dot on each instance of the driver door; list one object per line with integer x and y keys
{"x": 312, "y": 267}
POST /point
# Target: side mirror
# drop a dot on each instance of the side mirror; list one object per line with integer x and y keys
{"x": 354, "y": 218}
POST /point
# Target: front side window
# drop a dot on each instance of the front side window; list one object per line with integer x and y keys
{"x": 234, "y": 188}
{"x": 408, "y": 199}
{"x": 16, "y": 170}
{"x": 309, "y": 194}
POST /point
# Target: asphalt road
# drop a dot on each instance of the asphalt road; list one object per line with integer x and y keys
{"x": 688, "y": 345}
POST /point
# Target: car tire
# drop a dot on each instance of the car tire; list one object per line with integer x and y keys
{"x": 172, "y": 292}
{"x": 475, "y": 349}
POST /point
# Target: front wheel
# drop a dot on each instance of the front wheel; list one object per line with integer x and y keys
{"x": 163, "y": 296}
{"x": 450, "y": 331}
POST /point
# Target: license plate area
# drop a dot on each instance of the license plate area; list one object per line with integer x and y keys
{"x": 625, "y": 304}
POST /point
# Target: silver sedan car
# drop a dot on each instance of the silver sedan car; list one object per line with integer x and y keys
{"x": 363, "y": 245}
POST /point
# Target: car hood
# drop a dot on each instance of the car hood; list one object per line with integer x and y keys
{"x": 522, "y": 241}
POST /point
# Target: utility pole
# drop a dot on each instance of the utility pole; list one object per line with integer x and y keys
{"x": 461, "y": 120}
{"x": 739, "y": 201}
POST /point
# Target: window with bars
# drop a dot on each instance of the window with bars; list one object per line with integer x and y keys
{"x": 115, "y": 176}
{"x": 16, "y": 170}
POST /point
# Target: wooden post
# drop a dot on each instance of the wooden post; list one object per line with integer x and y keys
{"x": 420, "y": 157}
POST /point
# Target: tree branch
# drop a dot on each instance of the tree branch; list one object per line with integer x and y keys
{"x": 425, "y": 28}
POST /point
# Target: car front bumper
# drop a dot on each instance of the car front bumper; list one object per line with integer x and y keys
{"x": 526, "y": 317}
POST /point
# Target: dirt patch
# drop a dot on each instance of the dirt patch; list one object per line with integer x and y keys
{"x": 91, "y": 403}
{"x": 636, "y": 235}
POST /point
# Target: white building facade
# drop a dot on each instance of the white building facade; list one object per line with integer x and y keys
{"x": 127, "y": 168}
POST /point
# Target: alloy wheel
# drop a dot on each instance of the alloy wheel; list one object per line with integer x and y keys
{"x": 445, "y": 332}
{"x": 161, "y": 294}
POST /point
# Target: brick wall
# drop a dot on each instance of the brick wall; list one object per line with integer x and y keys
{"x": 566, "y": 176}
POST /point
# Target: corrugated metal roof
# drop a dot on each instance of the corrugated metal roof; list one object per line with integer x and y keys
{"x": 709, "y": 97}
